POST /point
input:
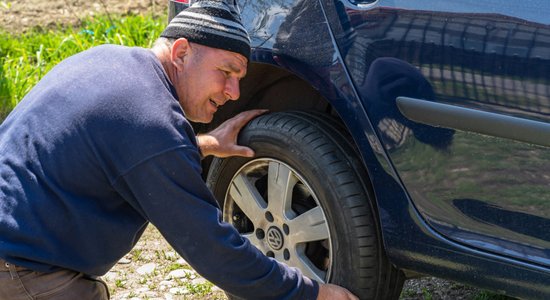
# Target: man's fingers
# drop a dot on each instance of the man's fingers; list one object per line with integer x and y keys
{"x": 243, "y": 151}
{"x": 353, "y": 297}
{"x": 248, "y": 115}
{"x": 222, "y": 141}
{"x": 329, "y": 291}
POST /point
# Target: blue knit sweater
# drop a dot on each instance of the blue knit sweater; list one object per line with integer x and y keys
{"x": 99, "y": 148}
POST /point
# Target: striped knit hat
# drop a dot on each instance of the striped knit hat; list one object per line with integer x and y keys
{"x": 211, "y": 23}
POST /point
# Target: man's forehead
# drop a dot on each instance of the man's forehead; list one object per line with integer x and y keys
{"x": 235, "y": 63}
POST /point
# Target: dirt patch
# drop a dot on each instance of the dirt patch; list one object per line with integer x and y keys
{"x": 20, "y": 15}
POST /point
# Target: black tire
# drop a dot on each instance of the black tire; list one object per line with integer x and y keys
{"x": 312, "y": 150}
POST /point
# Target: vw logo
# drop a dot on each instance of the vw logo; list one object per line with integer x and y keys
{"x": 275, "y": 238}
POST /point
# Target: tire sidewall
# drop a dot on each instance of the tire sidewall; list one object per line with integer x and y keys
{"x": 312, "y": 169}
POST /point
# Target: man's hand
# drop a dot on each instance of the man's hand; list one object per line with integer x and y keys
{"x": 334, "y": 292}
{"x": 222, "y": 141}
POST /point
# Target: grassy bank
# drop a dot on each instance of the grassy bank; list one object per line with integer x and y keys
{"x": 25, "y": 58}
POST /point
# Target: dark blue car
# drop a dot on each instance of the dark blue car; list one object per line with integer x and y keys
{"x": 406, "y": 138}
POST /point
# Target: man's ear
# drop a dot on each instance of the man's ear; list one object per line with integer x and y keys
{"x": 180, "y": 49}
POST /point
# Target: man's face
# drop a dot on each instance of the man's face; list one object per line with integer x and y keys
{"x": 209, "y": 78}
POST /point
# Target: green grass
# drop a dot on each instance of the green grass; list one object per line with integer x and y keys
{"x": 25, "y": 58}
{"x": 487, "y": 295}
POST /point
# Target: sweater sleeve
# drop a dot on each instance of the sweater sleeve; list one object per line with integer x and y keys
{"x": 167, "y": 190}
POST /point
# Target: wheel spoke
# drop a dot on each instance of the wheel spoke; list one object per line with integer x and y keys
{"x": 309, "y": 226}
{"x": 301, "y": 261}
{"x": 279, "y": 256}
{"x": 279, "y": 190}
{"x": 247, "y": 197}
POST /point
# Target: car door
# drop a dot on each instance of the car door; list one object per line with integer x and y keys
{"x": 459, "y": 93}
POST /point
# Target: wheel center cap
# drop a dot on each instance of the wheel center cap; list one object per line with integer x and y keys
{"x": 275, "y": 238}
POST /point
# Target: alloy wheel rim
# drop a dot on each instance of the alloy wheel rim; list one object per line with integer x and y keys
{"x": 272, "y": 205}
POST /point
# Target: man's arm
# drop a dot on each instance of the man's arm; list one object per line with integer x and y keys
{"x": 168, "y": 190}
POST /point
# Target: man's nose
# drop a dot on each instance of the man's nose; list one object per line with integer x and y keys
{"x": 232, "y": 90}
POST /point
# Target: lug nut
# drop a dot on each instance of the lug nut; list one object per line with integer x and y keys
{"x": 286, "y": 229}
{"x": 269, "y": 217}
{"x": 260, "y": 234}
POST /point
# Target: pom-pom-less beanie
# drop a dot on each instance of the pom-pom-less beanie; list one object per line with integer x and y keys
{"x": 211, "y": 23}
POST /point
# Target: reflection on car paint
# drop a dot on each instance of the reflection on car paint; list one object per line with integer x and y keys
{"x": 486, "y": 61}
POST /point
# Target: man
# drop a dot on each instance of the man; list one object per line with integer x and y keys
{"x": 102, "y": 145}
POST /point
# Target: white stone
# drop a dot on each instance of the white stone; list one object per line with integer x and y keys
{"x": 216, "y": 289}
{"x": 110, "y": 276}
{"x": 198, "y": 281}
{"x": 182, "y": 261}
{"x": 146, "y": 269}
{"x": 152, "y": 295}
{"x": 181, "y": 273}
{"x": 179, "y": 291}
{"x": 170, "y": 255}
{"x": 124, "y": 261}
{"x": 166, "y": 283}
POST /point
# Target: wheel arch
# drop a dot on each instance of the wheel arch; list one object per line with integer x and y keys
{"x": 268, "y": 86}
{"x": 274, "y": 88}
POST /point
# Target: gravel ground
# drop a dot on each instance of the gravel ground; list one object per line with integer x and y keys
{"x": 152, "y": 270}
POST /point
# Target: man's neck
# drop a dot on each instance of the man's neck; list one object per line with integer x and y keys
{"x": 162, "y": 52}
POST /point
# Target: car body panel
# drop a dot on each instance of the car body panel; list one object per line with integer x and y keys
{"x": 479, "y": 189}
{"x": 453, "y": 199}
